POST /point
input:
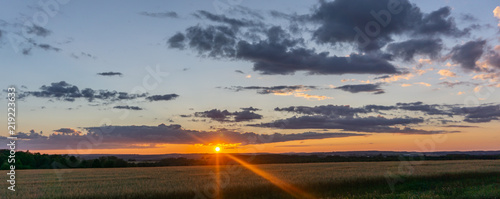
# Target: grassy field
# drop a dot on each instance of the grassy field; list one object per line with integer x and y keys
{"x": 425, "y": 179}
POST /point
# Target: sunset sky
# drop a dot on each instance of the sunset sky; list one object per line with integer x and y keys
{"x": 156, "y": 77}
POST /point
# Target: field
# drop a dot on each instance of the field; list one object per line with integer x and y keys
{"x": 424, "y": 179}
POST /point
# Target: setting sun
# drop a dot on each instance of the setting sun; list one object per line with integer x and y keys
{"x": 217, "y": 149}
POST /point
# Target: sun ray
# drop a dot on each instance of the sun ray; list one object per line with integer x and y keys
{"x": 217, "y": 177}
{"x": 292, "y": 190}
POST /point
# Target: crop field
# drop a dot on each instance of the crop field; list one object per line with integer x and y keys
{"x": 419, "y": 179}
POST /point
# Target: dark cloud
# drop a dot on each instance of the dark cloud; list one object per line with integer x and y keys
{"x": 87, "y": 55}
{"x": 376, "y": 108}
{"x": 38, "y": 31}
{"x": 430, "y": 109}
{"x": 341, "y": 21}
{"x": 165, "y": 97}
{"x": 250, "y": 13}
{"x": 453, "y": 84}
{"x": 468, "y": 17}
{"x": 276, "y": 58}
{"x": 136, "y": 108}
{"x": 297, "y": 24}
{"x": 467, "y": 54}
{"x": 347, "y": 118}
{"x": 479, "y": 114}
{"x": 406, "y": 50}
{"x": 48, "y": 47}
{"x": 272, "y": 89}
{"x": 366, "y": 124}
{"x": 278, "y": 55}
{"x": 367, "y": 25}
{"x": 382, "y": 77}
{"x": 278, "y": 137}
{"x": 326, "y": 110}
{"x": 27, "y": 50}
{"x": 474, "y": 114}
{"x": 250, "y": 109}
{"x": 375, "y": 88}
{"x": 131, "y": 136}
{"x": 27, "y": 37}
{"x": 211, "y": 41}
{"x": 275, "y": 51}
{"x": 110, "y": 74}
{"x": 224, "y": 19}
{"x": 83, "y": 54}
{"x": 427, "y": 109}
{"x": 339, "y": 117}
{"x": 440, "y": 22}
{"x": 67, "y": 92}
{"x": 67, "y": 131}
{"x": 225, "y": 116}
{"x": 289, "y": 17}
{"x": 176, "y": 41}
{"x": 215, "y": 114}
{"x": 370, "y": 25}
{"x": 31, "y": 135}
{"x": 493, "y": 59}
{"x": 246, "y": 115}
{"x": 461, "y": 126}
{"x": 160, "y": 14}
{"x": 239, "y": 71}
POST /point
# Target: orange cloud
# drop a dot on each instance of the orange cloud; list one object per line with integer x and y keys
{"x": 423, "y": 83}
{"x": 405, "y": 85}
{"x": 496, "y": 13}
{"x": 394, "y": 78}
{"x": 299, "y": 93}
{"x": 347, "y": 80}
{"x": 446, "y": 73}
{"x": 477, "y": 89}
{"x": 426, "y": 61}
{"x": 307, "y": 96}
{"x": 492, "y": 77}
{"x": 448, "y": 64}
{"x": 421, "y": 72}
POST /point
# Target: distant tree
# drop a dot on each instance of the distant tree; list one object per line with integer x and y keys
{"x": 96, "y": 163}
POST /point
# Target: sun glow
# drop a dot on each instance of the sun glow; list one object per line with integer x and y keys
{"x": 217, "y": 149}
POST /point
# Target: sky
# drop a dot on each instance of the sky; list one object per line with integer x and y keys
{"x": 156, "y": 77}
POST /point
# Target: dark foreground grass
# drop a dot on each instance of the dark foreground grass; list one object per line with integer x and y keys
{"x": 447, "y": 185}
{"x": 428, "y": 179}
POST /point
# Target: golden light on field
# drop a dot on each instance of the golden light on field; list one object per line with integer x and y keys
{"x": 292, "y": 190}
{"x": 217, "y": 149}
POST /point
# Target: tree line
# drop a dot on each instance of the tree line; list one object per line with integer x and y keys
{"x": 28, "y": 160}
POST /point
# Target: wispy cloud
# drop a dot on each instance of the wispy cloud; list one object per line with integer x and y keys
{"x": 110, "y": 74}
{"x": 356, "y": 88}
{"x": 160, "y": 14}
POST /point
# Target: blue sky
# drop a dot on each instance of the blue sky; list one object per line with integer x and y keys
{"x": 452, "y": 61}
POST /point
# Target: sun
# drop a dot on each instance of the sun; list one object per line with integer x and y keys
{"x": 217, "y": 149}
